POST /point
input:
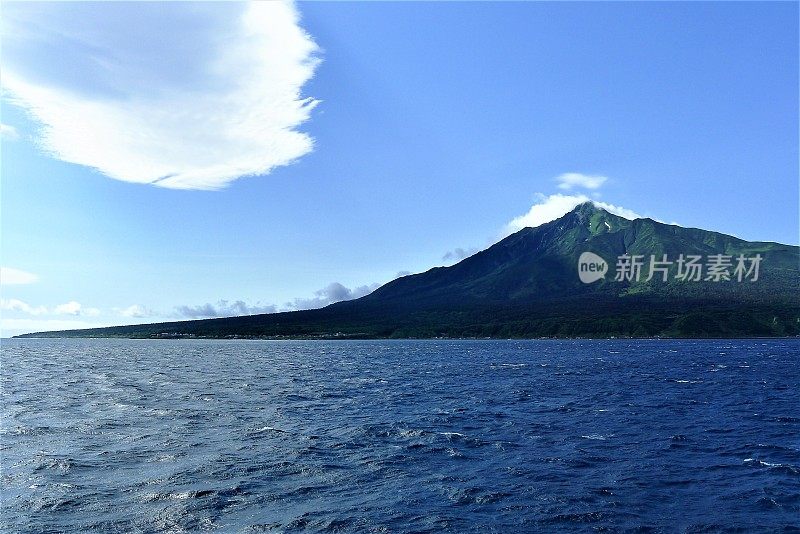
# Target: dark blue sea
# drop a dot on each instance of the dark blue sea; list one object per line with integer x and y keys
{"x": 400, "y": 436}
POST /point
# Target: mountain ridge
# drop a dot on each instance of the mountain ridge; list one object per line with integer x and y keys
{"x": 527, "y": 285}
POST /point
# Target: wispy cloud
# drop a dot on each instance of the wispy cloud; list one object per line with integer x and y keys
{"x": 552, "y": 207}
{"x": 222, "y": 308}
{"x": 12, "y": 277}
{"x": 8, "y": 132}
{"x": 184, "y": 96}
{"x": 572, "y": 180}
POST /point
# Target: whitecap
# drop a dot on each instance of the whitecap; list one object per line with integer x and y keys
{"x": 509, "y": 365}
{"x": 762, "y": 463}
{"x": 271, "y": 429}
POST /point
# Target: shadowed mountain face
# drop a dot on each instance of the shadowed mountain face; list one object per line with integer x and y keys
{"x": 528, "y": 285}
{"x": 541, "y": 263}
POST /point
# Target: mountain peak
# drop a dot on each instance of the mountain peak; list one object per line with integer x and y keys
{"x": 528, "y": 285}
{"x": 586, "y": 208}
{"x": 592, "y": 218}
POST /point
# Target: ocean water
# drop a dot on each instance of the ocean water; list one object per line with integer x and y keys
{"x": 400, "y": 436}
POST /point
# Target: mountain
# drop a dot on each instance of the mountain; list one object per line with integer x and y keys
{"x": 528, "y": 285}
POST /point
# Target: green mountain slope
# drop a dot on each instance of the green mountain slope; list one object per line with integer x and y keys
{"x": 541, "y": 263}
{"x": 527, "y": 285}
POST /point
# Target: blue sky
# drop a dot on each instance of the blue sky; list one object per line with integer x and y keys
{"x": 376, "y": 138}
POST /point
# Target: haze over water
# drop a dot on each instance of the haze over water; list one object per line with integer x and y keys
{"x": 400, "y": 436}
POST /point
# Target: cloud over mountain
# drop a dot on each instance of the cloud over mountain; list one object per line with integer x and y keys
{"x": 552, "y": 207}
{"x": 333, "y": 292}
{"x": 223, "y": 308}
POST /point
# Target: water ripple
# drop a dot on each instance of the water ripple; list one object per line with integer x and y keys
{"x": 400, "y": 436}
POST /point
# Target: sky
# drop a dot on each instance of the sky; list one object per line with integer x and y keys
{"x": 167, "y": 161}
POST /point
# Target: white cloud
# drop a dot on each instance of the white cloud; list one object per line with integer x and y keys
{"x": 70, "y": 308}
{"x": 184, "y": 96}
{"x": 11, "y": 277}
{"x": 8, "y": 132}
{"x": 569, "y": 180}
{"x": 333, "y": 292}
{"x": 554, "y": 206}
{"x": 134, "y": 310}
{"x": 22, "y": 307}
{"x": 223, "y": 308}
{"x": 75, "y": 308}
{"x": 618, "y": 210}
